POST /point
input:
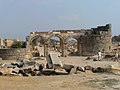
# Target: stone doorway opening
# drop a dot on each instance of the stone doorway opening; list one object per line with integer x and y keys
{"x": 55, "y": 44}
{"x": 72, "y": 47}
{"x": 38, "y": 44}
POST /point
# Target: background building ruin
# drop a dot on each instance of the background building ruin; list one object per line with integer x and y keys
{"x": 89, "y": 41}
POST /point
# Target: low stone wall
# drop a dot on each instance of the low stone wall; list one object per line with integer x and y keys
{"x": 15, "y": 53}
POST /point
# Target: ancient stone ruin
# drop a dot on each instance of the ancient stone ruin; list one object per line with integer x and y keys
{"x": 89, "y": 41}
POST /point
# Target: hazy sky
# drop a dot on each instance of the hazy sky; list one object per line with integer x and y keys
{"x": 20, "y": 17}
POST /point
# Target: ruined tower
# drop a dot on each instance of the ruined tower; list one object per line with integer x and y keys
{"x": 97, "y": 39}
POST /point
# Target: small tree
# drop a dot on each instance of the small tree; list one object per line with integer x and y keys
{"x": 16, "y": 44}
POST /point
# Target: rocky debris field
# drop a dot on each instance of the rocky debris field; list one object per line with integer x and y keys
{"x": 81, "y": 74}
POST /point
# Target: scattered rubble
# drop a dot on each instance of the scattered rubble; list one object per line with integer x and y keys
{"x": 21, "y": 67}
{"x": 24, "y": 67}
{"x": 33, "y": 68}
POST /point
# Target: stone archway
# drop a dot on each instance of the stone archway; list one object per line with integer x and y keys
{"x": 87, "y": 39}
{"x": 61, "y": 42}
{"x": 38, "y": 44}
{"x": 38, "y": 39}
{"x": 73, "y": 46}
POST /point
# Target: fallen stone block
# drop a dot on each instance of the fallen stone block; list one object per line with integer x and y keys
{"x": 23, "y": 73}
{"x": 16, "y": 70}
{"x": 53, "y": 61}
{"x": 80, "y": 69}
{"x": 48, "y": 72}
{"x": 6, "y": 71}
{"x": 49, "y": 62}
{"x": 68, "y": 67}
{"x": 73, "y": 70}
{"x": 27, "y": 69}
{"x": 18, "y": 64}
{"x": 88, "y": 67}
{"x": 29, "y": 63}
{"x": 39, "y": 73}
{"x": 49, "y": 66}
{"x": 61, "y": 72}
{"x": 41, "y": 66}
{"x": 9, "y": 65}
{"x": 38, "y": 67}
{"x": 98, "y": 70}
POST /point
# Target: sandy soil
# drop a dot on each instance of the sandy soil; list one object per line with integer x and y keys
{"x": 81, "y": 81}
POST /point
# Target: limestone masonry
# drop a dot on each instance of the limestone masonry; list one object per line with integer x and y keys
{"x": 89, "y": 41}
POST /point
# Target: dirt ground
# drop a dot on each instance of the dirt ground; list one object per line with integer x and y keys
{"x": 80, "y": 81}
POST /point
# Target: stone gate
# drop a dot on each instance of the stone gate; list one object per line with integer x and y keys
{"x": 89, "y": 41}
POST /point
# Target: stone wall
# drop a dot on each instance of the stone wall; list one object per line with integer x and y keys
{"x": 99, "y": 39}
{"x": 14, "y": 53}
{"x": 86, "y": 45}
